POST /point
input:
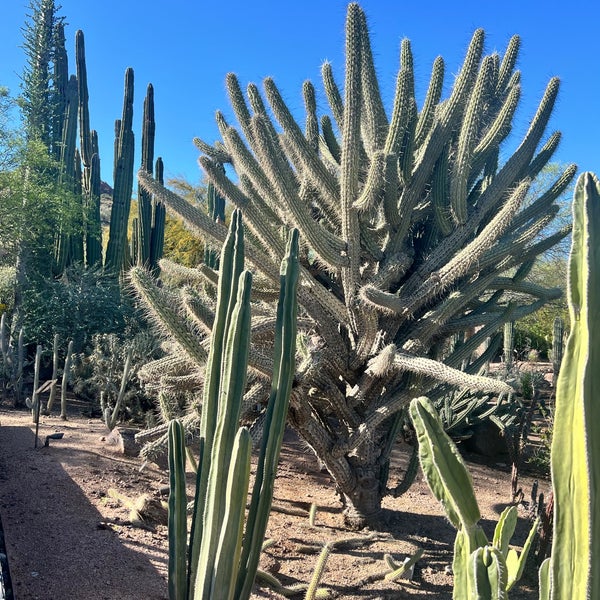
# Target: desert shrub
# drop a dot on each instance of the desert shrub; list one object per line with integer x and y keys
{"x": 99, "y": 372}
{"x": 7, "y": 288}
{"x": 78, "y": 305}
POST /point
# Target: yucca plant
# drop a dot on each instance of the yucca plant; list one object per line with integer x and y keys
{"x": 413, "y": 227}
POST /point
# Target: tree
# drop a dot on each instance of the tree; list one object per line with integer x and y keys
{"x": 43, "y": 41}
{"x": 412, "y": 232}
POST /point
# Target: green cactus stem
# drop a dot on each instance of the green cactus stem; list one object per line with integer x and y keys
{"x": 478, "y": 566}
{"x": 223, "y": 548}
{"x": 65, "y": 381}
{"x": 123, "y": 182}
{"x": 575, "y": 453}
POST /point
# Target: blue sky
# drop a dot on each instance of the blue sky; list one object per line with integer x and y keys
{"x": 185, "y": 48}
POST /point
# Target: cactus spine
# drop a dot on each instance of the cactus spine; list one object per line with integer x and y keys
{"x": 220, "y": 565}
{"x": 575, "y": 454}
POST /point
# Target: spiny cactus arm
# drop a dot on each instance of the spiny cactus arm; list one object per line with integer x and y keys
{"x": 575, "y": 443}
{"x": 460, "y": 263}
{"x": 311, "y": 125}
{"x": 432, "y": 98}
{"x": 203, "y": 224}
{"x": 467, "y": 140}
{"x": 332, "y": 91}
{"x": 197, "y": 309}
{"x": 372, "y": 192}
{"x": 429, "y": 325}
{"x": 498, "y": 131}
{"x": 525, "y": 287}
{"x": 238, "y": 103}
{"x": 350, "y": 165}
{"x": 408, "y": 301}
{"x": 435, "y": 370}
{"x": 163, "y": 307}
{"x": 405, "y": 91}
{"x": 518, "y": 165}
{"x": 329, "y": 147}
{"x": 177, "y": 513}
{"x": 449, "y": 111}
{"x": 374, "y": 119}
{"x": 509, "y": 60}
{"x": 543, "y": 203}
{"x": 542, "y": 158}
{"x": 216, "y": 153}
{"x": 265, "y": 200}
{"x": 326, "y": 244}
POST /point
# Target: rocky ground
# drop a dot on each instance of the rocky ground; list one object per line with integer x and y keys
{"x": 71, "y": 533}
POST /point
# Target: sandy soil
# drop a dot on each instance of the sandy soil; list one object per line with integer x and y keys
{"x": 66, "y": 537}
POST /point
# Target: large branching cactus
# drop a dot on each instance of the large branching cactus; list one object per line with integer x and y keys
{"x": 413, "y": 226}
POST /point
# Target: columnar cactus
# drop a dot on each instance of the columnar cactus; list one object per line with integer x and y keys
{"x": 509, "y": 344}
{"x": 412, "y": 229}
{"x": 572, "y": 570}
{"x": 223, "y": 550}
{"x": 123, "y": 181}
{"x": 216, "y": 210}
{"x": 150, "y": 223}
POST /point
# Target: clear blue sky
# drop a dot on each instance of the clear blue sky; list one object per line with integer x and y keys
{"x": 185, "y": 48}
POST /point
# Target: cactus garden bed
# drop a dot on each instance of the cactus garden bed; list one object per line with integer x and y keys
{"x": 70, "y": 533}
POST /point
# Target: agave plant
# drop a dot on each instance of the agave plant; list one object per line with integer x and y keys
{"x": 413, "y": 226}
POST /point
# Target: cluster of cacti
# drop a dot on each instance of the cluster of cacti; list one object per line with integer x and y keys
{"x": 572, "y": 570}
{"x": 80, "y": 171}
{"x": 413, "y": 227}
{"x": 221, "y": 558}
{"x": 13, "y": 359}
{"x": 481, "y": 569}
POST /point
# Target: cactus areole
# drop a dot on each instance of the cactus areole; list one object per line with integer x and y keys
{"x": 412, "y": 226}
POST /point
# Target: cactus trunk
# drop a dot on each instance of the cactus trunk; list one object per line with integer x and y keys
{"x": 576, "y": 437}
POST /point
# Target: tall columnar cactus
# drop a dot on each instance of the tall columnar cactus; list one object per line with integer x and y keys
{"x": 482, "y": 570}
{"x": 413, "y": 228}
{"x": 558, "y": 335}
{"x": 223, "y": 549}
{"x": 216, "y": 211}
{"x": 575, "y": 455}
{"x": 150, "y": 224}
{"x": 123, "y": 181}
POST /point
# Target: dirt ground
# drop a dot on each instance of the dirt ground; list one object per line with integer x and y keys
{"x": 67, "y": 537}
